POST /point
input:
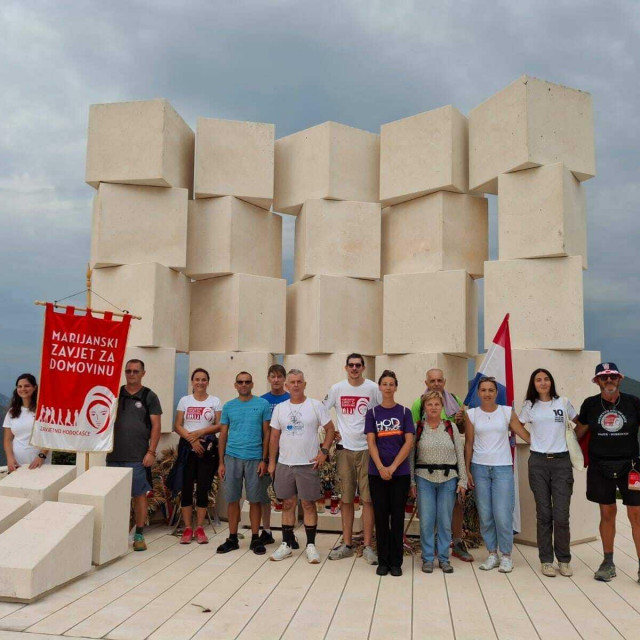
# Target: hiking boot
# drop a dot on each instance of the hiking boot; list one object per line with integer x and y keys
{"x": 382, "y": 570}
{"x": 459, "y": 550}
{"x": 492, "y": 562}
{"x": 506, "y": 564}
{"x": 548, "y": 569}
{"x": 370, "y": 555}
{"x": 313, "y": 557}
{"x": 282, "y": 552}
{"x": 187, "y": 536}
{"x": 427, "y": 566}
{"x": 228, "y": 545}
{"x": 342, "y": 551}
{"x": 605, "y": 573}
{"x": 138, "y": 542}
{"x": 445, "y": 566}
{"x": 565, "y": 569}
{"x": 266, "y": 538}
{"x": 295, "y": 544}
{"x": 396, "y": 571}
{"x": 201, "y": 536}
{"x": 257, "y": 547}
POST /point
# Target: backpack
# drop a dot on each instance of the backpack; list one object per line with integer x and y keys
{"x": 448, "y": 427}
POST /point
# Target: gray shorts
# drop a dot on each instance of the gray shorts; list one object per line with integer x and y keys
{"x": 140, "y": 484}
{"x": 297, "y": 480}
{"x": 256, "y": 487}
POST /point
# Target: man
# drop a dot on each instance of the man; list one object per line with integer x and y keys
{"x": 352, "y": 398}
{"x": 136, "y": 433}
{"x": 275, "y": 377}
{"x": 294, "y": 434}
{"x": 612, "y": 419}
{"x": 452, "y": 410}
{"x": 243, "y": 446}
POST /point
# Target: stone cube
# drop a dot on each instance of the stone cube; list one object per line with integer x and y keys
{"x": 430, "y": 313}
{"x": 424, "y": 153}
{"x": 528, "y": 124}
{"x": 144, "y": 142}
{"x": 108, "y": 490}
{"x": 227, "y": 235}
{"x": 45, "y": 549}
{"x": 439, "y": 232}
{"x": 245, "y": 520}
{"x": 328, "y": 314}
{"x": 338, "y": 239}
{"x": 330, "y": 161}
{"x": 332, "y": 522}
{"x": 39, "y": 485}
{"x": 544, "y": 298}
{"x": 13, "y": 509}
{"x": 542, "y": 213}
{"x": 235, "y": 158}
{"x": 238, "y": 312}
{"x": 158, "y": 294}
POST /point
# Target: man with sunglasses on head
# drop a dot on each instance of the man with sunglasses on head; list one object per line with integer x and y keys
{"x": 612, "y": 419}
{"x": 352, "y": 398}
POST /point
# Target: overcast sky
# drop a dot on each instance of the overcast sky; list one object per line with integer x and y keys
{"x": 296, "y": 64}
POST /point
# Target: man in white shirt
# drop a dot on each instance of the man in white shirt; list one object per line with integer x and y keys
{"x": 352, "y": 398}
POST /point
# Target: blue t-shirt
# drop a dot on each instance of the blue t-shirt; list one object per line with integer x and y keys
{"x": 245, "y": 427}
{"x": 390, "y": 427}
{"x": 274, "y": 400}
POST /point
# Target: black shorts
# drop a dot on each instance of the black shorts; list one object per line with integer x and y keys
{"x": 602, "y": 490}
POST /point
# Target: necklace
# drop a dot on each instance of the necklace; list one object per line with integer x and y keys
{"x": 615, "y": 404}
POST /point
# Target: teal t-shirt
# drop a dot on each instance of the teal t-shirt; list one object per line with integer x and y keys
{"x": 245, "y": 427}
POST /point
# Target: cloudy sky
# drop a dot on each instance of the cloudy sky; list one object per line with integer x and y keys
{"x": 296, "y": 64}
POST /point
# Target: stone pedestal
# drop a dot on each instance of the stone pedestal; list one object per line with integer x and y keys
{"x": 13, "y": 509}
{"x": 38, "y": 485}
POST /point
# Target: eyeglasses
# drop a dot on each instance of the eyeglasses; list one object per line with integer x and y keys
{"x": 608, "y": 376}
{"x": 244, "y": 381}
{"x": 130, "y": 372}
{"x": 354, "y": 365}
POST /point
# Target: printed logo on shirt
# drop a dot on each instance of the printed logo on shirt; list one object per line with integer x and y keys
{"x": 198, "y": 413}
{"x": 559, "y": 415}
{"x": 295, "y": 427}
{"x": 351, "y": 405}
{"x": 389, "y": 427}
{"x": 612, "y": 420}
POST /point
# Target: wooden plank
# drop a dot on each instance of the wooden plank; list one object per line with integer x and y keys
{"x": 392, "y": 612}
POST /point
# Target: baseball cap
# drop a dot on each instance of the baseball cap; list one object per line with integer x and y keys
{"x": 606, "y": 368}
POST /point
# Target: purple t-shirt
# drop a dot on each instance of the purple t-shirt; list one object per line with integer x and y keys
{"x": 390, "y": 425}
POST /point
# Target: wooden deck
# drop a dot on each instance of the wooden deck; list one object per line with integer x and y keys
{"x": 175, "y": 592}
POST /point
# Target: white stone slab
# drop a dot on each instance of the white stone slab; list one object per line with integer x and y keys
{"x": 144, "y": 142}
{"x": 327, "y": 314}
{"x": 430, "y": 313}
{"x": 245, "y": 521}
{"x": 544, "y": 298}
{"x": 439, "y": 232}
{"x": 424, "y": 153}
{"x": 235, "y": 158}
{"x": 38, "y": 485}
{"x": 238, "y": 312}
{"x": 108, "y": 490}
{"x": 227, "y": 235}
{"x": 329, "y": 161}
{"x": 48, "y": 547}
{"x": 328, "y": 521}
{"x": 530, "y": 123}
{"x": 139, "y": 224}
{"x": 13, "y": 509}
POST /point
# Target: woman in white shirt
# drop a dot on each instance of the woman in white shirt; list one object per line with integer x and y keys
{"x": 18, "y": 424}
{"x": 197, "y": 419}
{"x": 550, "y": 471}
{"x": 490, "y": 472}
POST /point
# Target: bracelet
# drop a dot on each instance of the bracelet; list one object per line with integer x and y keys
{"x": 153, "y": 453}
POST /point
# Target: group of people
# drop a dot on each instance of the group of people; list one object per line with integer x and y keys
{"x": 384, "y": 453}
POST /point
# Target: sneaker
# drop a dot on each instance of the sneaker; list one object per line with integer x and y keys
{"x": 382, "y": 570}
{"x": 446, "y": 567}
{"x": 282, "y": 552}
{"x": 459, "y": 550}
{"x": 491, "y": 562}
{"x": 228, "y": 545}
{"x": 187, "y": 536}
{"x": 565, "y": 569}
{"x": 266, "y": 538}
{"x": 370, "y": 555}
{"x": 257, "y": 547}
{"x": 605, "y": 573}
{"x": 313, "y": 557}
{"x": 506, "y": 564}
{"x": 342, "y": 551}
{"x": 427, "y": 566}
{"x": 295, "y": 544}
{"x": 201, "y": 536}
{"x": 548, "y": 569}
{"x": 396, "y": 571}
{"x": 138, "y": 542}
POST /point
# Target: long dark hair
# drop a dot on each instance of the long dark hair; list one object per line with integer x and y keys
{"x": 532, "y": 394}
{"x": 15, "y": 406}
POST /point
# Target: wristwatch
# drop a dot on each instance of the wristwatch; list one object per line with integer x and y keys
{"x": 324, "y": 451}
{"x": 42, "y": 455}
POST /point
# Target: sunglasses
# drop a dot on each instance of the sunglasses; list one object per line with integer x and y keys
{"x": 354, "y": 365}
{"x": 609, "y": 376}
{"x": 244, "y": 381}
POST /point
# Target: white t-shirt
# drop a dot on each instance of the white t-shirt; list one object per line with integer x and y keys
{"x": 491, "y": 436}
{"x": 21, "y": 427}
{"x": 351, "y": 405}
{"x": 298, "y": 425}
{"x": 547, "y": 424}
{"x": 199, "y": 414}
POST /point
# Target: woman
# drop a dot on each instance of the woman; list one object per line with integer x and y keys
{"x": 197, "y": 419}
{"x": 18, "y": 424}
{"x": 490, "y": 471}
{"x": 440, "y": 474}
{"x": 389, "y": 429}
{"x": 550, "y": 471}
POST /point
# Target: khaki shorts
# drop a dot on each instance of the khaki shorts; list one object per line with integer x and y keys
{"x": 297, "y": 480}
{"x": 353, "y": 471}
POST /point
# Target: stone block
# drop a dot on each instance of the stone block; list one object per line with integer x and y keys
{"x": 338, "y": 239}
{"x": 330, "y": 161}
{"x": 223, "y": 366}
{"x": 327, "y": 314}
{"x": 238, "y": 312}
{"x": 542, "y": 212}
{"x": 108, "y": 490}
{"x": 47, "y": 548}
{"x": 332, "y": 522}
{"x": 245, "y": 522}
{"x": 528, "y": 124}
{"x": 139, "y": 224}
{"x": 424, "y": 153}
{"x": 411, "y": 369}
{"x": 430, "y": 313}
{"x": 158, "y": 294}
{"x": 38, "y": 485}
{"x": 439, "y": 232}
{"x": 84, "y": 461}
{"x": 144, "y": 142}
{"x": 544, "y": 298}
{"x": 235, "y": 158}
{"x": 227, "y": 235}
{"x": 12, "y": 509}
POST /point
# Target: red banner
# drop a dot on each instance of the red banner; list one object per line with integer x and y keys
{"x": 82, "y": 359}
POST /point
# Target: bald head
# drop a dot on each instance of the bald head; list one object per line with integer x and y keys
{"x": 435, "y": 380}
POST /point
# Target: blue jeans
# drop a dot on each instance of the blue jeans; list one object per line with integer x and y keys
{"x": 495, "y": 500}
{"x": 435, "y": 502}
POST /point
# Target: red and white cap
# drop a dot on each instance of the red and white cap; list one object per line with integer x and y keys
{"x": 606, "y": 368}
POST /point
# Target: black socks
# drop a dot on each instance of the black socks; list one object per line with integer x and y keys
{"x": 311, "y": 533}
{"x": 139, "y": 530}
{"x": 287, "y": 534}
{"x": 233, "y": 536}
